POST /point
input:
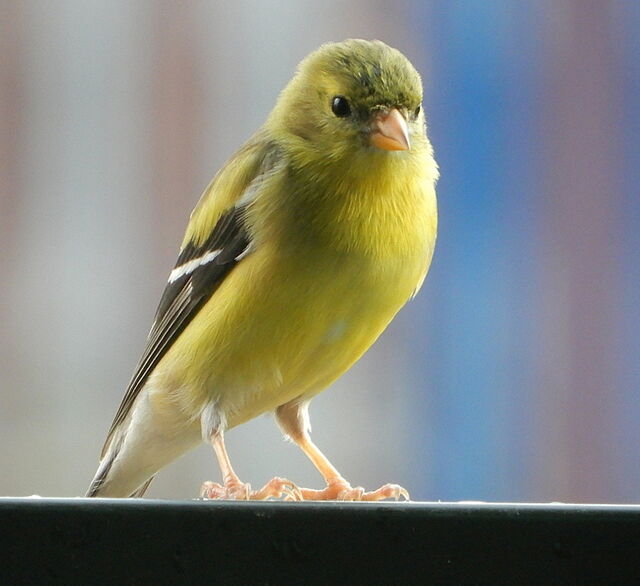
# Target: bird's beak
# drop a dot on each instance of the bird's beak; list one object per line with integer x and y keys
{"x": 389, "y": 131}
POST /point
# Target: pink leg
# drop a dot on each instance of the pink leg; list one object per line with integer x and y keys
{"x": 234, "y": 489}
{"x": 293, "y": 419}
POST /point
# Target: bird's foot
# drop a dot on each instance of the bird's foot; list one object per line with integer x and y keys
{"x": 340, "y": 490}
{"x": 237, "y": 490}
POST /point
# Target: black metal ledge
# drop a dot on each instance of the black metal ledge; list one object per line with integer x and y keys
{"x": 79, "y": 541}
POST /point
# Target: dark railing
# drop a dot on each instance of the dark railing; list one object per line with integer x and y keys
{"x": 80, "y": 541}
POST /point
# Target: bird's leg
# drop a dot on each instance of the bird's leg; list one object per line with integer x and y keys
{"x": 234, "y": 489}
{"x": 294, "y": 420}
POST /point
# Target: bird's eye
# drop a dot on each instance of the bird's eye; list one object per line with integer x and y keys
{"x": 340, "y": 106}
{"x": 416, "y": 112}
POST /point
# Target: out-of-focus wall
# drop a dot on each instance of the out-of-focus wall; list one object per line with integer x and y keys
{"x": 512, "y": 376}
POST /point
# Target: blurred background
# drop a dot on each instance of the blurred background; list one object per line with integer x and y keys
{"x": 513, "y": 376}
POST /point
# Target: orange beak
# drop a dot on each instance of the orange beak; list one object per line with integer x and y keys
{"x": 389, "y": 131}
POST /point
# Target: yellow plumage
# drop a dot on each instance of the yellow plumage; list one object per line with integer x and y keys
{"x": 335, "y": 220}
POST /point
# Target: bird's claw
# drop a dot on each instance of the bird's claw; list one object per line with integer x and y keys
{"x": 277, "y": 488}
{"x": 341, "y": 490}
{"x": 241, "y": 491}
{"x": 236, "y": 491}
{"x": 281, "y": 488}
{"x": 388, "y": 491}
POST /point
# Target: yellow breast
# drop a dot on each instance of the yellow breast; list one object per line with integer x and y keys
{"x": 303, "y": 307}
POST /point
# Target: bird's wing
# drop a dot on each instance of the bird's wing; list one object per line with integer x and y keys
{"x": 217, "y": 239}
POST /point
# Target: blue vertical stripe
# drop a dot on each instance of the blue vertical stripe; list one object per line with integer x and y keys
{"x": 481, "y": 125}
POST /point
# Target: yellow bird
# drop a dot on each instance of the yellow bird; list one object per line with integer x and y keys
{"x": 298, "y": 255}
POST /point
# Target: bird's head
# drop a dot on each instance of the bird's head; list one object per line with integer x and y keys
{"x": 354, "y": 97}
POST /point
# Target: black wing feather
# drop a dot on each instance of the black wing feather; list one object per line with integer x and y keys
{"x": 183, "y": 298}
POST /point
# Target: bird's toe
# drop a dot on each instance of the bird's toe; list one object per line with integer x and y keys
{"x": 236, "y": 490}
{"x": 340, "y": 490}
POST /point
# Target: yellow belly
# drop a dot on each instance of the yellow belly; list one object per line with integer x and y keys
{"x": 283, "y": 326}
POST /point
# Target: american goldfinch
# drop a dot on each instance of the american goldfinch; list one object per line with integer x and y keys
{"x": 298, "y": 255}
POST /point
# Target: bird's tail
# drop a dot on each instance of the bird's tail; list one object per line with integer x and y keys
{"x": 102, "y": 484}
{"x": 143, "y": 444}
{"x": 95, "y": 488}
{"x": 100, "y": 487}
